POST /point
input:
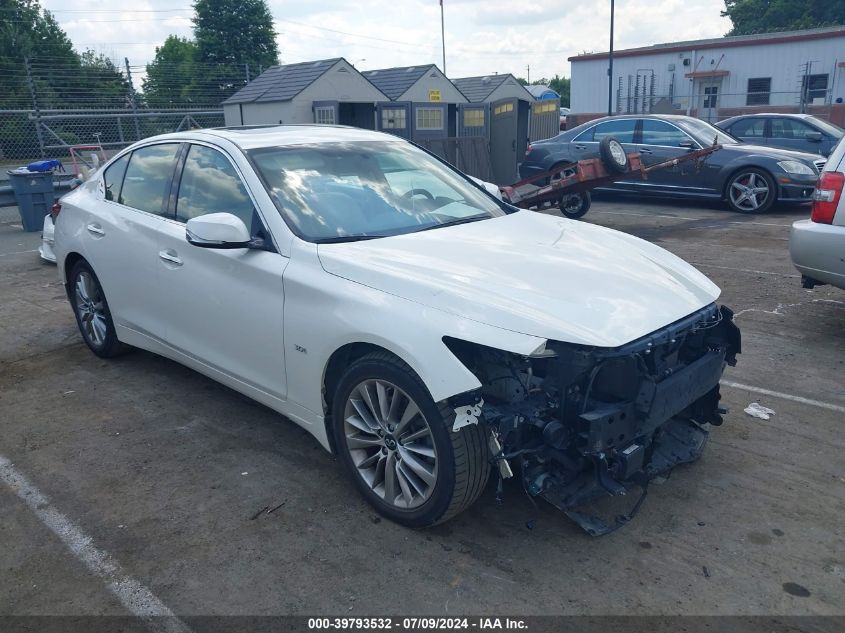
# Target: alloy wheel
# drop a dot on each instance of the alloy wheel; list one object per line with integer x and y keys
{"x": 749, "y": 191}
{"x": 90, "y": 308}
{"x": 390, "y": 443}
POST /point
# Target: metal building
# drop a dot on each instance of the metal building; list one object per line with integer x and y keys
{"x": 795, "y": 71}
{"x": 328, "y": 91}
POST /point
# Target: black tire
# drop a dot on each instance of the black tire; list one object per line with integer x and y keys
{"x": 575, "y": 205}
{"x": 612, "y": 153}
{"x": 462, "y": 466}
{"x": 750, "y": 179}
{"x": 109, "y": 345}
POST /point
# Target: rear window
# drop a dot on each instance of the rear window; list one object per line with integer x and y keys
{"x": 113, "y": 178}
{"x": 621, "y": 129}
{"x": 754, "y": 128}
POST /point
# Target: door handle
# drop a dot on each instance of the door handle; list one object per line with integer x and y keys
{"x": 580, "y": 147}
{"x": 95, "y": 229}
{"x": 645, "y": 151}
{"x": 170, "y": 256}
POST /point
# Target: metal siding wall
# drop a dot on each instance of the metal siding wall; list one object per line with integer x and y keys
{"x": 782, "y": 62}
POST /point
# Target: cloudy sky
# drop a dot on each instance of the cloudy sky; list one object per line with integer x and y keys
{"x": 482, "y": 36}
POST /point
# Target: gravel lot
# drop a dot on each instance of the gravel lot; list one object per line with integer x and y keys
{"x": 167, "y": 472}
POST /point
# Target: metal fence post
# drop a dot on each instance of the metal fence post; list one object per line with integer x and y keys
{"x": 132, "y": 100}
{"x": 36, "y": 111}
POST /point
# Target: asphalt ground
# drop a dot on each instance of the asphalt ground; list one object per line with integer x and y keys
{"x": 136, "y": 484}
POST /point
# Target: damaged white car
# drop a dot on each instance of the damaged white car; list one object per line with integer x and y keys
{"x": 420, "y": 328}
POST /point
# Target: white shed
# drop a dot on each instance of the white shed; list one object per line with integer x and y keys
{"x": 325, "y": 91}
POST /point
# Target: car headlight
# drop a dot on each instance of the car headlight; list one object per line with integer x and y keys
{"x": 794, "y": 167}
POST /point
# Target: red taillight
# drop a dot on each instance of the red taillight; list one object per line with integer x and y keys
{"x": 826, "y": 196}
{"x": 55, "y": 209}
{"x": 528, "y": 150}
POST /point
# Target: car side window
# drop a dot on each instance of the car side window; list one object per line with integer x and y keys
{"x": 113, "y": 178}
{"x": 661, "y": 133}
{"x": 753, "y": 128}
{"x": 790, "y": 128}
{"x": 622, "y": 130}
{"x": 146, "y": 185}
{"x": 210, "y": 184}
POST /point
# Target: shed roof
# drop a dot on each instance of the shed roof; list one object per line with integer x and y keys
{"x": 477, "y": 89}
{"x": 394, "y": 82}
{"x": 282, "y": 83}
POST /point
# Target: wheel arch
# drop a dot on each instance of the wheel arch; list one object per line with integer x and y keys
{"x": 71, "y": 260}
{"x": 337, "y": 363}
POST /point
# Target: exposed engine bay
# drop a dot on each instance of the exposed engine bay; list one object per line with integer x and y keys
{"x": 582, "y": 422}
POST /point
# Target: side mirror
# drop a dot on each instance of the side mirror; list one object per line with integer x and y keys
{"x": 686, "y": 143}
{"x": 815, "y": 137}
{"x": 219, "y": 230}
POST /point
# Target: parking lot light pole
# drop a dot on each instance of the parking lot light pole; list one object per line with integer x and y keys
{"x": 610, "y": 65}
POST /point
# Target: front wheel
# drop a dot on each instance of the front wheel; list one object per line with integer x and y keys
{"x": 575, "y": 205}
{"x": 399, "y": 446}
{"x": 751, "y": 191}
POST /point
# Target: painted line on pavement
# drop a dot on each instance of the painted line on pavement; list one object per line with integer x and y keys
{"x": 785, "y": 396}
{"x": 34, "y": 250}
{"x": 745, "y": 270}
{"x": 683, "y": 217}
{"x": 137, "y": 599}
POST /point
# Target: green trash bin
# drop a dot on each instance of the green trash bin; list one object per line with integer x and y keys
{"x": 35, "y": 196}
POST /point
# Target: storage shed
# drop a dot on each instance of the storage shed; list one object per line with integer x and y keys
{"x": 327, "y": 91}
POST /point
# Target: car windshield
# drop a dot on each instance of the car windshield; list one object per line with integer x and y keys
{"x": 705, "y": 133}
{"x": 829, "y": 128}
{"x": 336, "y": 192}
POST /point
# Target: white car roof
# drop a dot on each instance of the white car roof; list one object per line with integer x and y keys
{"x": 251, "y": 137}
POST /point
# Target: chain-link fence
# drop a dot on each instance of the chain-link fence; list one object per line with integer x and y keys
{"x": 31, "y": 134}
{"x": 49, "y": 105}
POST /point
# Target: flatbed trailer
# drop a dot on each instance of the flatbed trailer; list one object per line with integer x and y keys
{"x": 584, "y": 175}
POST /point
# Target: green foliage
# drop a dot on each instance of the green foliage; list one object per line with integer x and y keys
{"x": 170, "y": 75}
{"x": 231, "y": 35}
{"x": 760, "y": 16}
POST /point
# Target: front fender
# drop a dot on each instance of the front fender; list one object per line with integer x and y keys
{"x": 324, "y": 312}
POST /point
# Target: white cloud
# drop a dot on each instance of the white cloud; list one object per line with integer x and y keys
{"x": 482, "y": 36}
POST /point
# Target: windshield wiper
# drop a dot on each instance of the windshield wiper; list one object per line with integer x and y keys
{"x": 347, "y": 238}
{"x": 466, "y": 220}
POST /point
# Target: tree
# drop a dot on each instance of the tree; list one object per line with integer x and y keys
{"x": 760, "y": 16}
{"x": 230, "y": 36}
{"x": 170, "y": 75}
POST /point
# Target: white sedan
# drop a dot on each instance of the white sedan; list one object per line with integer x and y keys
{"x": 421, "y": 329}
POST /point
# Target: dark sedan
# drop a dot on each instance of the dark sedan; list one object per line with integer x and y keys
{"x": 801, "y": 132}
{"x": 750, "y": 178}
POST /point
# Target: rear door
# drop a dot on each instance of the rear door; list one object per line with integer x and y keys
{"x": 586, "y": 144}
{"x": 794, "y": 134}
{"x": 224, "y": 307}
{"x": 662, "y": 141}
{"x": 751, "y": 130}
{"x": 121, "y": 237}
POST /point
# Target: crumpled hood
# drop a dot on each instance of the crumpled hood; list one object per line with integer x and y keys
{"x": 532, "y": 273}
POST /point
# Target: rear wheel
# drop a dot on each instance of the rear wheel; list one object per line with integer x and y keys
{"x": 92, "y": 312}
{"x": 751, "y": 191}
{"x": 399, "y": 446}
